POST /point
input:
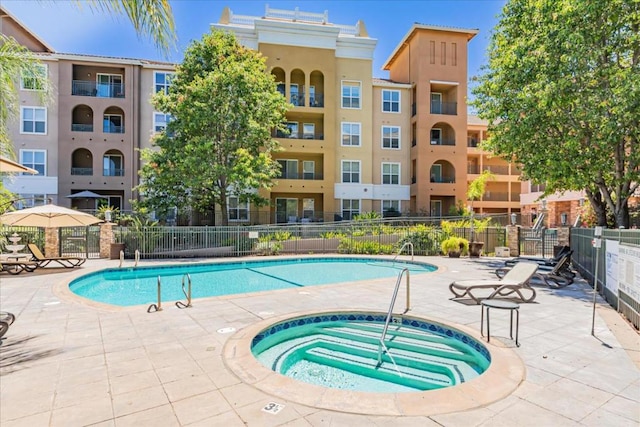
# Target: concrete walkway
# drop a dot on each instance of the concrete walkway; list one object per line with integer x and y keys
{"x": 68, "y": 363}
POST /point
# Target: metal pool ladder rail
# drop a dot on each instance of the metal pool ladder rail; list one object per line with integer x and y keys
{"x": 381, "y": 344}
{"x": 402, "y": 248}
{"x": 187, "y": 293}
{"x": 157, "y": 307}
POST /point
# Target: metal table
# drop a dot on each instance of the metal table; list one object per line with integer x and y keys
{"x": 500, "y": 305}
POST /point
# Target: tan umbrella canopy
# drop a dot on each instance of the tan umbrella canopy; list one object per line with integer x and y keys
{"x": 7, "y": 165}
{"x": 48, "y": 216}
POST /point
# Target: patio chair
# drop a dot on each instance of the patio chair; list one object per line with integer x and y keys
{"x": 42, "y": 261}
{"x": 514, "y": 282}
{"x": 558, "y": 277}
{"x": 565, "y": 251}
{"x": 6, "y": 319}
{"x": 17, "y": 267}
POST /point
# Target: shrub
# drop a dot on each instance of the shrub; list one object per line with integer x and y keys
{"x": 455, "y": 244}
{"x": 350, "y": 246}
{"x": 426, "y": 239}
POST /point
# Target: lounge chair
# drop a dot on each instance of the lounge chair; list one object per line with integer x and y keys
{"x": 42, "y": 261}
{"x": 565, "y": 251}
{"x": 515, "y": 281}
{"x": 558, "y": 277}
{"x": 17, "y": 267}
{"x": 6, "y": 319}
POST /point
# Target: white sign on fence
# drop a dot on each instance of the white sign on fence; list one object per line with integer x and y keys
{"x": 611, "y": 266}
{"x": 629, "y": 271}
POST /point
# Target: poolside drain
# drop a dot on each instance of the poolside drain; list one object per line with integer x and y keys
{"x": 273, "y": 408}
{"x": 226, "y": 330}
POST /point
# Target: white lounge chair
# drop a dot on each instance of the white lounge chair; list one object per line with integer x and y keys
{"x": 515, "y": 281}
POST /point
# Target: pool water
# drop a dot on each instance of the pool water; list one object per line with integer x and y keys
{"x": 134, "y": 286}
{"x": 341, "y": 351}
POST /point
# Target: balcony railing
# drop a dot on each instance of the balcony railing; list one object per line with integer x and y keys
{"x": 413, "y": 142}
{"x": 303, "y": 176}
{"x": 497, "y": 170}
{"x": 413, "y": 179}
{"x": 298, "y": 135}
{"x": 79, "y": 127}
{"x": 443, "y": 179}
{"x": 316, "y": 101}
{"x": 297, "y": 99}
{"x": 495, "y": 197}
{"x": 443, "y": 141}
{"x": 473, "y": 169}
{"x": 472, "y": 143}
{"x": 413, "y": 109}
{"x": 449, "y": 108}
{"x": 113, "y": 129}
{"x": 113, "y": 172}
{"x": 101, "y": 90}
{"x": 82, "y": 171}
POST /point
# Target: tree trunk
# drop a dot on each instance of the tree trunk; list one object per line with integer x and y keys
{"x": 622, "y": 216}
{"x": 599, "y": 207}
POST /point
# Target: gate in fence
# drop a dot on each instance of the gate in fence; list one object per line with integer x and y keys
{"x": 80, "y": 241}
{"x": 538, "y": 242}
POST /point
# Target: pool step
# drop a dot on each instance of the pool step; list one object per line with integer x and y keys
{"x": 407, "y": 371}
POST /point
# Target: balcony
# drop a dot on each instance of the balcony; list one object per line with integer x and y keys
{"x": 297, "y": 99}
{"x": 413, "y": 142}
{"x": 448, "y": 108}
{"x": 413, "y": 109}
{"x": 495, "y": 197}
{"x": 316, "y": 101}
{"x": 443, "y": 179}
{"x": 79, "y": 127}
{"x": 100, "y": 90}
{"x": 298, "y": 135}
{"x": 473, "y": 143}
{"x": 113, "y": 172}
{"x": 82, "y": 171}
{"x": 112, "y": 129}
{"x": 444, "y": 141}
{"x": 303, "y": 176}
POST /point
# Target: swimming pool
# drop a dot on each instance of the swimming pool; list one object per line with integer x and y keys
{"x": 134, "y": 286}
{"x": 340, "y": 350}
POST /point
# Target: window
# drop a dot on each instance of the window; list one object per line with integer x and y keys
{"x": 350, "y": 171}
{"x": 391, "y": 101}
{"x": 390, "y": 208}
{"x": 308, "y": 208}
{"x": 160, "y": 121}
{"x": 350, "y": 208}
{"x": 436, "y": 173}
{"x": 112, "y": 165}
{"x": 351, "y": 134}
{"x": 35, "y": 80}
{"x": 34, "y": 159}
{"x": 308, "y": 131}
{"x": 288, "y": 169}
{"x": 350, "y": 95}
{"x": 112, "y": 123}
{"x": 436, "y": 103}
{"x": 30, "y": 200}
{"x": 308, "y": 169}
{"x": 391, "y": 173}
{"x": 237, "y": 210}
{"x": 163, "y": 81}
{"x": 391, "y": 137}
{"x": 436, "y": 136}
{"x": 293, "y": 130}
{"x": 34, "y": 120}
{"x": 109, "y": 85}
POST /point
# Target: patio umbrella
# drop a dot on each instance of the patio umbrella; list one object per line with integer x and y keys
{"x": 86, "y": 195}
{"x": 7, "y": 165}
{"x": 48, "y": 216}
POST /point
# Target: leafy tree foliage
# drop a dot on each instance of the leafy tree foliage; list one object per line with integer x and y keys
{"x": 562, "y": 93}
{"x": 223, "y": 105}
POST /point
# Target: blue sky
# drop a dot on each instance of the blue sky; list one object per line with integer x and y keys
{"x": 70, "y": 29}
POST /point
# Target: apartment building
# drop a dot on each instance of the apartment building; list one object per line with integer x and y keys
{"x": 84, "y": 139}
{"x": 354, "y": 144}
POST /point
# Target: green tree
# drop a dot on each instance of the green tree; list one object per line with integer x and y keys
{"x": 223, "y": 105}
{"x": 561, "y": 93}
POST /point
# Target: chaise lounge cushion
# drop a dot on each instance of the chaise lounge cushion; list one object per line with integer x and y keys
{"x": 514, "y": 283}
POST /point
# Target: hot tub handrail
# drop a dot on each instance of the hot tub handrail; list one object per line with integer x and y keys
{"x": 187, "y": 293}
{"x": 381, "y": 344}
{"x": 410, "y": 244}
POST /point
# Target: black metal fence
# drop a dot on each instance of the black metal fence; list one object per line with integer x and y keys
{"x": 16, "y": 239}
{"x": 79, "y": 241}
{"x": 584, "y": 260}
{"x": 540, "y": 242}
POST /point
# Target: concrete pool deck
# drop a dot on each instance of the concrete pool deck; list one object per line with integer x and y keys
{"x": 65, "y": 362}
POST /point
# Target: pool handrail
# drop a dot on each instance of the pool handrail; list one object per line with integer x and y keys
{"x": 157, "y": 307}
{"x": 136, "y": 256}
{"x": 410, "y": 244}
{"x": 186, "y": 293}
{"x": 381, "y": 343}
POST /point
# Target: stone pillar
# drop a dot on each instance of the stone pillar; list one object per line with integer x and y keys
{"x": 51, "y": 242}
{"x": 564, "y": 234}
{"x": 512, "y": 239}
{"x": 106, "y": 239}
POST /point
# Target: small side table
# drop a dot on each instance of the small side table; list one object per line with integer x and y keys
{"x": 500, "y": 305}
